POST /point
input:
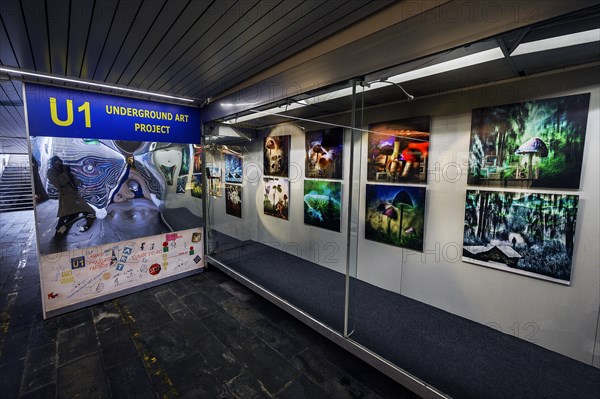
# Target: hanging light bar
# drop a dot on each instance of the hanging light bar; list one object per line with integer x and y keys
{"x": 573, "y": 39}
{"x": 14, "y": 71}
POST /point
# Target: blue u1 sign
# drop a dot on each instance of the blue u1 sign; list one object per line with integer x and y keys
{"x": 66, "y": 112}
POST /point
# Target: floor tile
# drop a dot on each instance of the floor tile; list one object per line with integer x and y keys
{"x": 191, "y": 326}
{"x": 272, "y": 370}
{"x": 46, "y": 392}
{"x": 192, "y": 381}
{"x": 276, "y": 338}
{"x": 302, "y": 387}
{"x": 238, "y": 290}
{"x": 243, "y": 311}
{"x": 146, "y": 315}
{"x": 130, "y": 380}
{"x": 227, "y": 329}
{"x": 246, "y": 386}
{"x": 40, "y": 368}
{"x": 106, "y": 316}
{"x": 83, "y": 378}
{"x": 219, "y": 361}
{"x": 10, "y": 378}
{"x": 167, "y": 343}
{"x": 116, "y": 345}
{"x": 329, "y": 378}
{"x": 76, "y": 342}
{"x": 170, "y": 301}
{"x": 200, "y": 304}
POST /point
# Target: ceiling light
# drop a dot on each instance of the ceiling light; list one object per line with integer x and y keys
{"x": 12, "y": 71}
{"x": 572, "y": 39}
{"x": 457, "y": 63}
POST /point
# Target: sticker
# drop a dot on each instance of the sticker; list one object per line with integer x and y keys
{"x": 154, "y": 269}
{"x": 120, "y": 266}
{"x": 191, "y": 250}
{"x": 106, "y": 276}
{"x": 197, "y": 258}
{"x": 165, "y": 246}
{"x": 196, "y": 237}
{"x": 78, "y": 262}
{"x": 52, "y": 295}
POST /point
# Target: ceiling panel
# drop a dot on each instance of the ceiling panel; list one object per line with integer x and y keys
{"x": 58, "y": 30}
{"x": 80, "y": 18}
{"x": 159, "y": 29}
{"x": 102, "y": 19}
{"x": 122, "y": 23}
{"x": 34, "y": 13}
{"x": 159, "y": 72}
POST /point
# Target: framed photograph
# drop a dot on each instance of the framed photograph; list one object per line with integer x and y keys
{"x": 276, "y": 199}
{"x": 322, "y": 204}
{"x": 185, "y": 161}
{"x": 197, "y": 159}
{"x": 181, "y": 183}
{"x": 214, "y": 180}
{"x": 233, "y": 168}
{"x": 196, "y": 183}
{"x": 276, "y": 156}
{"x": 324, "y": 154}
{"x": 526, "y": 233}
{"x": 530, "y": 144}
{"x": 398, "y": 151}
{"x": 395, "y": 215}
{"x": 233, "y": 200}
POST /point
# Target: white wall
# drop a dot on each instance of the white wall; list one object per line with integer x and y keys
{"x": 561, "y": 318}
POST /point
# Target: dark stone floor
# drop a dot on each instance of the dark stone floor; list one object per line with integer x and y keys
{"x": 201, "y": 337}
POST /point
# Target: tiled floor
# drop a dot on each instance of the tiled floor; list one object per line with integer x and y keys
{"x": 202, "y": 337}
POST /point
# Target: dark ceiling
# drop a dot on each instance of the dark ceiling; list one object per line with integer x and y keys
{"x": 216, "y": 51}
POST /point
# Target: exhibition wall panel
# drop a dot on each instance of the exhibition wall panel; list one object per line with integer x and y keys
{"x": 559, "y": 317}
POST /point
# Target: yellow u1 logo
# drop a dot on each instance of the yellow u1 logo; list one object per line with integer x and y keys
{"x": 85, "y": 108}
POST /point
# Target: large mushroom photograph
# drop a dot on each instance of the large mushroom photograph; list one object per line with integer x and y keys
{"x": 398, "y": 151}
{"x": 395, "y": 215}
{"x": 535, "y": 144}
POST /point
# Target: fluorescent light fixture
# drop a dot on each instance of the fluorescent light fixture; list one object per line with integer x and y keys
{"x": 12, "y": 71}
{"x": 457, "y": 63}
{"x": 572, "y": 39}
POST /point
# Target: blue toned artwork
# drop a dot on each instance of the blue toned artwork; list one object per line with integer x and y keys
{"x": 233, "y": 169}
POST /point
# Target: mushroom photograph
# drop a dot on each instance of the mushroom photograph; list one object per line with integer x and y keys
{"x": 233, "y": 200}
{"x": 398, "y": 150}
{"x": 395, "y": 215}
{"x": 233, "y": 168}
{"x": 324, "y": 150}
{"x": 276, "y": 155}
{"x": 531, "y": 144}
{"x": 276, "y": 197}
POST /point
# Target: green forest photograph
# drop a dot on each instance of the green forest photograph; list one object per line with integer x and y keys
{"x": 526, "y": 233}
{"x": 535, "y": 144}
{"x": 395, "y": 215}
{"x": 322, "y": 204}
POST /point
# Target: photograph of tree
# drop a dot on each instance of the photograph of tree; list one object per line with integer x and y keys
{"x": 530, "y": 144}
{"x": 181, "y": 183}
{"x": 185, "y": 161}
{"x": 214, "y": 180}
{"x": 398, "y": 151}
{"x": 324, "y": 150}
{"x": 395, "y": 215}
{"x": 197, "y": 160}
{"x": 322, "y": 204}
{"x": 196, "y": 182}
{"x": 233, "y": 200}
{"x": 276, "y": 197}
{"x": 233, "y": 168}
{"x": 276, "y": 156}
{"x": 526, "y": 233}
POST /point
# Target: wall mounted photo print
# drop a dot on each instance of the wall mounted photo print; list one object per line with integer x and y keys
{"x": 233, "y": 200}
{"x": 185, "y": 161}
{"x": 197, "y": 159}
{"x": 181, "y": 183}
{"x": 395, "y": 215}
{"x": 233, "y": 168}
{"x": 276, "y": 197}
{"x": 530, "y": 144}
{"x": 196, "y": 183}
{"x": 324, "y": 151}
{"x": 526, "y": 233}
{"x": 214, "y": 180}
{"x": 276, "y": 156}
{"x": 398, "y": 150}
{"x": 322, "y": 204}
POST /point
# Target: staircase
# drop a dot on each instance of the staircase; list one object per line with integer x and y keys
{"x": 16, "y": 193}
